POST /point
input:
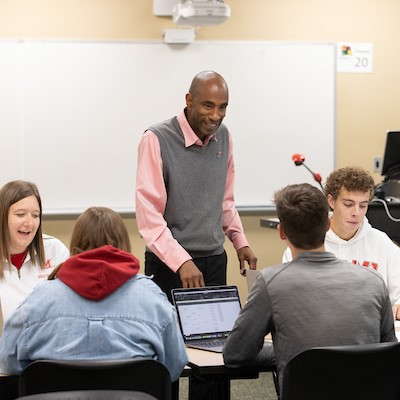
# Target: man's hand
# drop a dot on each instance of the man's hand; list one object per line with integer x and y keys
{"x": 396, "y": 311}
{"x": 190, "y": 275}
{"x": 245, "y": 254}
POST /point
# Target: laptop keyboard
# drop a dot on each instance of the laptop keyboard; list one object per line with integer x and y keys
{"x": 213, "y": 343}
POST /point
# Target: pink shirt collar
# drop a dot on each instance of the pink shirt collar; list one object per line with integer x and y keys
{"x": 188, "y": 133}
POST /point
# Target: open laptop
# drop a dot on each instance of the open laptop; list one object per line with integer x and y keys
{"x": 206, "y": 315}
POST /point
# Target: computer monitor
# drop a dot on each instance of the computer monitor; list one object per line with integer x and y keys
{"x": 378, "y": 217}
{"x": 389, "y": 189}
{"x": 391, "y": 158}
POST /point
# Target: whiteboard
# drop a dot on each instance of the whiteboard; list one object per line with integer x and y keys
{"x": 73, "y": 114}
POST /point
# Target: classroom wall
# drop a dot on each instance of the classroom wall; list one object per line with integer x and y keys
{"x": 366, "y": 103}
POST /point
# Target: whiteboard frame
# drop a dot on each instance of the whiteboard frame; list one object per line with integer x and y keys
{"x": 35, "y": 123}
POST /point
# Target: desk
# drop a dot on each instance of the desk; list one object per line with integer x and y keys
{"x": 210, "y": 366}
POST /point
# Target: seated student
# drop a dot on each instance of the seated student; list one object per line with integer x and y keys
{"x": 314, "y": 300}
{"x": 26, "y": 255}
{"x": 351, "y": 237}
{"x": 98, "y": 307}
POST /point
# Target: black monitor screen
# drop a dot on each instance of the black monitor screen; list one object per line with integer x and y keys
{"x": 391, "y": 158}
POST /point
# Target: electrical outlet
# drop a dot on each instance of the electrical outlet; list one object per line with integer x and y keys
{"x": 377, "y": 164}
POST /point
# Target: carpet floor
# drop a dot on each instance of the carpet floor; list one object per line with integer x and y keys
{"x": 242, "y": 389}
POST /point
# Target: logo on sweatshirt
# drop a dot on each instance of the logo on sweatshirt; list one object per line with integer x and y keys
{"x": 366, "y": 264}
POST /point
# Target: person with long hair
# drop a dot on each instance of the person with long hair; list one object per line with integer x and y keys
{"x": 27, "y": 256}
{"x": 95, "y": 306}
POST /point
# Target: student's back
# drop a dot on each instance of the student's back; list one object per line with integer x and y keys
{"x": 98, "y": 307}
{"x": 316, "y": 301}
{"x": 134, "y": 320}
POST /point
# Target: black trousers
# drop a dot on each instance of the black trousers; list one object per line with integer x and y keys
{"x": 213, "y": 269}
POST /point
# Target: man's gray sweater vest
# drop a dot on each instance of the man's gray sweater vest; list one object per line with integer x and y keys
{"x": 195, "y": 179}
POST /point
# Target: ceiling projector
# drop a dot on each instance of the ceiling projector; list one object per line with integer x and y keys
{"x": 200, "y": 12}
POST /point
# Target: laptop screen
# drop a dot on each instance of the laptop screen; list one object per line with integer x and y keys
{"x": 208, "y": 312}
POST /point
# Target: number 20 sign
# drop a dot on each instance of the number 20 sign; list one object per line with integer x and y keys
{"x": 354, "y": 57}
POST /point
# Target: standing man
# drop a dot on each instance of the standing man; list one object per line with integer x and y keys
{"x": 184, "y": 192}
{"x": 314, "y": 300}
{"x": 351, "y": 237}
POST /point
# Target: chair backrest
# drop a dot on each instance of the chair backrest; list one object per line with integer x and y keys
{"x": 143, "y": 375}
{"x": 90, "y": 395}
{"x": 367, "y": 372}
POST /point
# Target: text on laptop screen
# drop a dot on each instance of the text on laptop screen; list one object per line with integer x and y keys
{"x": 207, "y": 313}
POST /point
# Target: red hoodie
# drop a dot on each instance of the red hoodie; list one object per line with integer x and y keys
{"x": 95, "y": 274}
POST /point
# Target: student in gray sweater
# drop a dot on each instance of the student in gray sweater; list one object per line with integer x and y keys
{"x": 314, "y": 300}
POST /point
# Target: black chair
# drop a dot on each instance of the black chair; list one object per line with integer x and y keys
{"x": 367, "y": 372}
{"x": 90, "y": 395}
{"x": 143, "y": 375}
{"x": 9, "y": 387}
